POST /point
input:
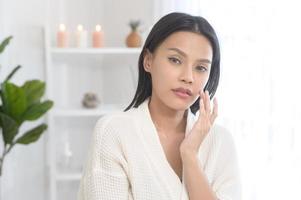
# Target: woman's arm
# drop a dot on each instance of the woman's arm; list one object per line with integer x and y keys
{"x": 226, "y": 184}
{"x": 196, "y": 182}
{"x": 195, "y": 179}
{"x": 104, "y": 176}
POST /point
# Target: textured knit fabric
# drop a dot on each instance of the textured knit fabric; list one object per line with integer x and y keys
{"x": 126, "y": 161}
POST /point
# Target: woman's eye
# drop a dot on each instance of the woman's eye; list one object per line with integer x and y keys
{"x": 201, "y": 68}
{"x": 174, "y": 60}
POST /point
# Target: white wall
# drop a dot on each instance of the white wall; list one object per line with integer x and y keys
{"x": 116, "y": 18}
{"x": 25, "y": 173}
{"x": 116, "y": 21}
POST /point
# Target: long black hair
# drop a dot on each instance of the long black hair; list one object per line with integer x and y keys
{"x": 167, "y": 25}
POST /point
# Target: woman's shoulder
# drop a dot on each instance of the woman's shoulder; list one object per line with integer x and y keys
{"x": 115, "y": 122}
{"x": 221, "y": 135}
{"x": 220, "y": 130}
{"x": 226, "y": 142}
{"x": 114, "y": 117}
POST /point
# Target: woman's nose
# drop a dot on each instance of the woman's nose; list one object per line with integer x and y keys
{"x": 187, "y": 75}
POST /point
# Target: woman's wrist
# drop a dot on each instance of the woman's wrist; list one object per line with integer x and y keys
{"x": 188, "y": 155}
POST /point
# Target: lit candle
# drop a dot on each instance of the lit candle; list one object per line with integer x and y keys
{"x": 97, "y": 37}
{"x": 62, "y": 36}
{"x": 81, "y": 37}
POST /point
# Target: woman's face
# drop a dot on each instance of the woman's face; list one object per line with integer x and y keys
{"x": 179, "y": 68}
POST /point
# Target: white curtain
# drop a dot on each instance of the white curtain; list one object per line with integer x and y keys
{"x": 259, "y": 94}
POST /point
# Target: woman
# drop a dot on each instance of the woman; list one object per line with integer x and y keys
{"x": 165, "y": 146}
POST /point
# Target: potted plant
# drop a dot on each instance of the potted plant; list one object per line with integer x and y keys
{"x": 134, "y": 39}
{"x": 19, "y": 104}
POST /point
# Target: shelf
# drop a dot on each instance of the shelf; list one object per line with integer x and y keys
{"x": 73, "y": 71}
{"x": 82, "y": 112}
{"x": 69, "y": 177}
{"x": 106, "y": 50}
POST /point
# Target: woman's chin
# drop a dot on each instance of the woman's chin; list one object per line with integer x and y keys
{"x": 181, "y": 105}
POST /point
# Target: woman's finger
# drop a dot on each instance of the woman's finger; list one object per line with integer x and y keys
{"x": 207, "y": 102}
{"x": 201, "y": 103}
{"x": 215, "y": 111}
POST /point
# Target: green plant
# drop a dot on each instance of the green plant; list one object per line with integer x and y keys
{"x": 18, "y": 105}
{"x": 134, "y": 24}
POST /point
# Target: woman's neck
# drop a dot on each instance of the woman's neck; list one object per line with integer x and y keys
{"x": 166, "y": 119}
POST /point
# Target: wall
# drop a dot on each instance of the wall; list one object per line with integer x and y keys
{"x": 24, "y": 170}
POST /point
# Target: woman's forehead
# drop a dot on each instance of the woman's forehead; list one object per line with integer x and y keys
{"x": 185, "y": 37}
{"x": 184, "y": 42}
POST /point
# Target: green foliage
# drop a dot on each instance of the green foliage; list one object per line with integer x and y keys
{"x": 32, "y": 135}
{"x": 5, "y": 43}
{"x": 20, "y": 104}
{"x": 134, "y": 24}
{"x": 17, "y": 105}
{"x": 10, "y": 128}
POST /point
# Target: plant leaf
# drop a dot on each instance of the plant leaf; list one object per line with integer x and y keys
{"x": 32, "y": 135}
{"x": 4, "y": 43}
{"x": 37, "y": 110}
{"x": 10, "y": 128}
{"x": 1, "y": 95}
{"x": 12, "y": 73}
{"x": 1, "y": 111}
{"x": 34, "y": 90}
{"x": 14, "y": 100}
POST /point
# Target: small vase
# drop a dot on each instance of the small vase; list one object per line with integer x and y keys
{"x": 133, "y": 39}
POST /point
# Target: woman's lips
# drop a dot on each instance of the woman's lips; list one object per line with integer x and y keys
{"x": 182, "y": 93}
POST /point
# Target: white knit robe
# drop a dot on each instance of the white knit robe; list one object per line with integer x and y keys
{"x": 126, "y": 161}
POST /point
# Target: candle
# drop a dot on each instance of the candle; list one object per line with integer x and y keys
{"x": 97, "y": 37}
{"x": 62, "y": 36}
{"x": 81, "y": 37}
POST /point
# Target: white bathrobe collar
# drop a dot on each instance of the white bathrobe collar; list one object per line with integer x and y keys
{"x": 156, "y": 153}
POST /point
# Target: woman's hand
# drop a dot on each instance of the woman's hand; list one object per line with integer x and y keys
{"x": 193, "y": 140}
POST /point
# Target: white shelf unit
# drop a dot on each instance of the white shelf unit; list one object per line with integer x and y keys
{"x": 69, "y": 177}
{"x": 81, "y": 112}
{"x": 110, "y": 72}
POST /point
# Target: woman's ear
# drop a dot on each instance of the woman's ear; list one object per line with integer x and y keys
{"x": 147, "y": 60}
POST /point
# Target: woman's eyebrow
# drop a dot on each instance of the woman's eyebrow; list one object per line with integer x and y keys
{"x": 178, "y": 51}
{"x": 185, "y": 55}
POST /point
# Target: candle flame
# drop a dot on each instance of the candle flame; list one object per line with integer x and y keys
{"x": 98, "y": 27}
{"x": 80, "y": 27}
{"x": 62, "y": 27}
